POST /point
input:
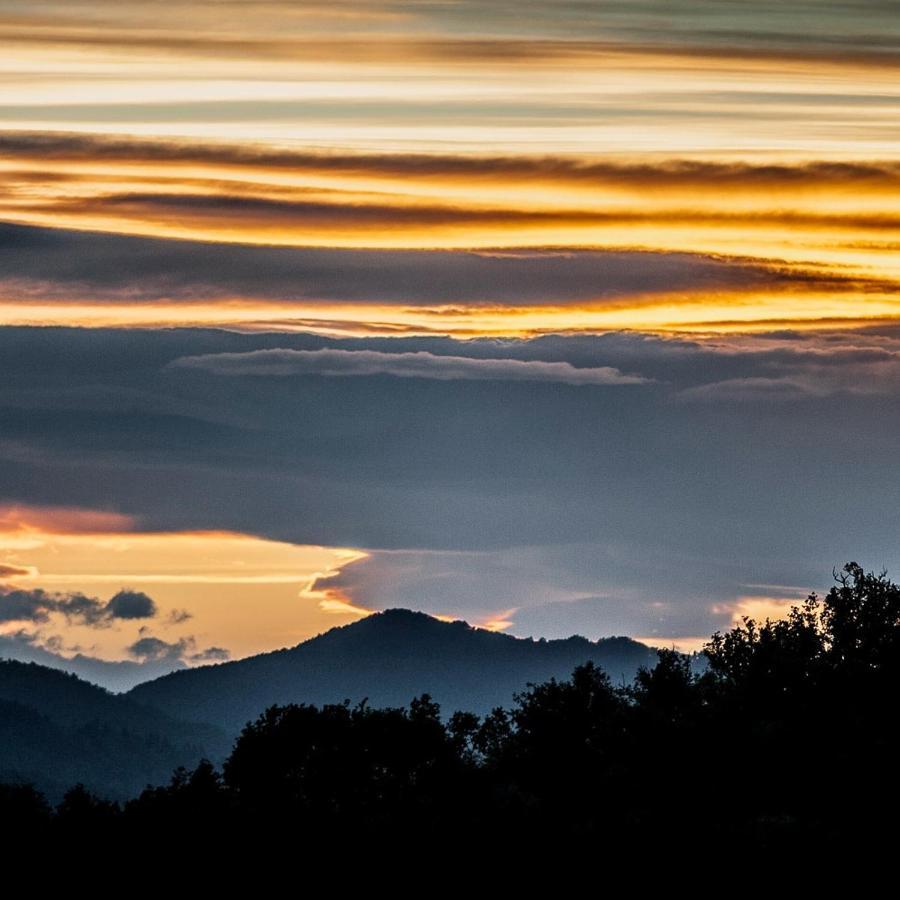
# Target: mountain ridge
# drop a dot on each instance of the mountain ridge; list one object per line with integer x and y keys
{"x": 387, "y": 658}
{"x": 113, "y": 744}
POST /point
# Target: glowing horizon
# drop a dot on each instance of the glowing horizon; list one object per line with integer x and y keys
{"x": 244, "y": 592}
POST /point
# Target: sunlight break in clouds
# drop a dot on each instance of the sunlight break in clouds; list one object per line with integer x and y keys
{"x": 244, "y": 593}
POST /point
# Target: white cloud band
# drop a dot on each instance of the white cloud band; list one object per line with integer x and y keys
{"x": 420, "y": 364}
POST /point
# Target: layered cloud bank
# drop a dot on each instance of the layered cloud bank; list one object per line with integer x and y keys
{"x": 818, "y": 75}
{"x": 563, "y": 166}
{"x": 727, "y": 477}
{"x": 459, "y": 250}
{"x": 57, "y": 276}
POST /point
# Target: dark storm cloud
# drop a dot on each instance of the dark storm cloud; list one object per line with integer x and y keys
{"x": 66, "y": 265}
{"x": 477, "y": 496}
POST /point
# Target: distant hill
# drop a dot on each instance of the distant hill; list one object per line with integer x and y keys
{"x": 121, "y": 675}
{"x": 388, "y": 658}
{"x": 57, "y": 730}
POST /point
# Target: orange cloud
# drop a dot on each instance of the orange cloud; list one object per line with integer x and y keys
{"x": 16, "y": 517}
{"x": 499, "y": 621}
{"x": 335, "y": 603}
{"x": 760, "y": 609}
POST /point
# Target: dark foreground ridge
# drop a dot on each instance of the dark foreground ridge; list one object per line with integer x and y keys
{"x": 787, "y": 744}
{"x": 56, "y": 730}
{"x": 387, "y": 658}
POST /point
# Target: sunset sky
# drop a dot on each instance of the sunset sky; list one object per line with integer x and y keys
{"x": 560, "y": 317}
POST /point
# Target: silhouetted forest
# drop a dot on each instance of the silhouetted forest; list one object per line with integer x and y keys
{"x": 787, "y": 741}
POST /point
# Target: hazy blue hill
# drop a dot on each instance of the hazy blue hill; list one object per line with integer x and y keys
{"x": 56, "y": 730}
{"x": 119, "y": 675}
{"x": 388, "y": 658}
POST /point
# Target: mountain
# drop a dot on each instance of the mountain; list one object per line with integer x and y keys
{"x": 57, "y": 730}
{"x": 387, "y": 658}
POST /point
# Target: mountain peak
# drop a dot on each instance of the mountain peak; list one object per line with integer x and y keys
{"x": 402, "y": 615}
{"x": 388, "y": 658}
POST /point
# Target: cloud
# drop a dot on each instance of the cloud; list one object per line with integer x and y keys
{"x": 713, "y": 175}
{"x": 506, "y": 51}
{"x": 57, "y": 265}
{"x": 628, "y": 511}
{"x": 809, "y": 369}
{"x": 130, "y": 605}
{"x": 60, "y": 519}
{"x": 38, "y": 606}
{"x": 254, "y": 217}
{"x": 420, "y": 364}
{"x": 178, "y": 616}
{"x": 151, "y": 649}
{"x": 560, "y": 590}
{"x": 9, "y": 572}
{"x": 252, "y": 214}
{"x": 154, "y": 649}
{"x": 418, "y": 32}
{"x": 211, "y": 654}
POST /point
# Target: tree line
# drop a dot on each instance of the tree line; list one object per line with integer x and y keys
{"x": 787, "y": 738}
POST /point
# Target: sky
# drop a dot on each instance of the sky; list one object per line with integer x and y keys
{"x": 558, "y": 317}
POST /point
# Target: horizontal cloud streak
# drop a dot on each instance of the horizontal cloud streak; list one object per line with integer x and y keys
{"x": 60, "y": 265}
{"x": 612, "y": 76}
{"x": 251, "y": 217}
{"x": 748, "y": 227}
{"x": 420, "y": 364}
{"x": 435, "y": 31}
{"x": 42, "y": 147}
